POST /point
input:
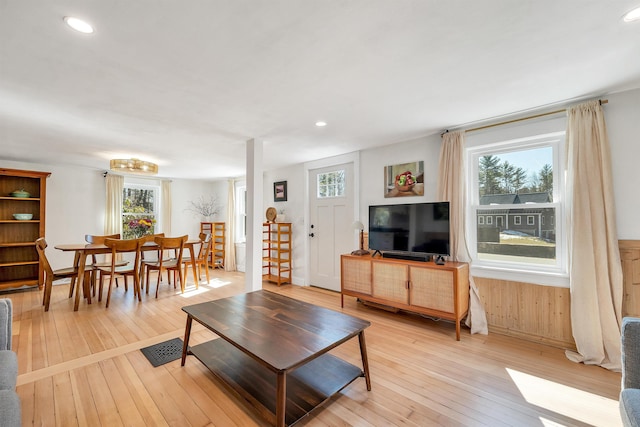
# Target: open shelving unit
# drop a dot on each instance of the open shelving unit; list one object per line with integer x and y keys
{"x": 276, "y": 252}
{"x": 19, "y": 263}
{"x": 218, "y": 241}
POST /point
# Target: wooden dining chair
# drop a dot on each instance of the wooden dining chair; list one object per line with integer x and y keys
{"x": 145, "y": 259}
{"x": 95, "y": 264}
{"x": 119, "y": 246}
{"x": 50, "y": 275}
{"x": 202, "y": 260}
{"x": 174, "y": 264}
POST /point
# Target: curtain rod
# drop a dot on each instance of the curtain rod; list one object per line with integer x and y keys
{"x": 535, "y": 116}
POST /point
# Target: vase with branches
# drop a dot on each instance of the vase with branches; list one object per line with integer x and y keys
{"x": 205, "y": 207}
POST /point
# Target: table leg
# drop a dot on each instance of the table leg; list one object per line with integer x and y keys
{"x": 365, "y": 360}
{"x": 187, "y": 334}
{"x": 80, "y": 282}
{"x": 193, "y": 266}
{"x": 281, "y": 398}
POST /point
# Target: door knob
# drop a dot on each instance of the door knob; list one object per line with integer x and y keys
{"x": 311, "y": 235}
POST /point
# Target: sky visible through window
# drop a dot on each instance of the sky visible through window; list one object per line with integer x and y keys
{"x": 530, "y": 160}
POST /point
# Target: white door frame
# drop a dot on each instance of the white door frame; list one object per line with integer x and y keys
{"x": 316, "y": 164}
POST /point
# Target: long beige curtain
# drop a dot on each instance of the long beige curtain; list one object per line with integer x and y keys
{"x": 230, "y": 242}
{"x": 452, "y": 188}
{"x": 165, "y": 209}
{"x": 113, "y": 204}
{"x": 595, "y": 270}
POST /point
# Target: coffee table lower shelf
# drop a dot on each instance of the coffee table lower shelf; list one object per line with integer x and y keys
{"x": 307, "y": 387}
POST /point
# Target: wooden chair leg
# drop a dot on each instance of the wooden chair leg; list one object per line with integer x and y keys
{"x": 72, "y": 286}
{"x": 147, "y": 284}
{"x": 46, "y": 298}
{"x": 181, "y": 281}
{"x": 109, "y": 291}
{"x": 100, "y": 286}
{"x": 206, "y": 271}
{"x": 158, "y": 282}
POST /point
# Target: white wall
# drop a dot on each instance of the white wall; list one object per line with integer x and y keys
{"x": 183, "y": 191}
{"x": 76, "y": 205}
{"x": 373, "y": 162}
{"x": 75, "y": 195}
{"x": 622, "y": 114}
{"x": 294, "y": 212}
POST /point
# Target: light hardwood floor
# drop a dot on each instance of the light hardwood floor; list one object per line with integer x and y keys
{"x": 85, "y": 369}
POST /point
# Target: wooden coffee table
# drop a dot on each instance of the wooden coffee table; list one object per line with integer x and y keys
{"x": 274, "y": 351}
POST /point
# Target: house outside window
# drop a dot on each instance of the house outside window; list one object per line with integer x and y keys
{"x": 516, "y": 179}
{"x": 140, "y": 210}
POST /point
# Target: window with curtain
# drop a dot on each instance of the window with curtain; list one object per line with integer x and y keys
{"x": 516, "y": 195}
{"x": 241, "y": 214}
{"x": 140, "y": 210}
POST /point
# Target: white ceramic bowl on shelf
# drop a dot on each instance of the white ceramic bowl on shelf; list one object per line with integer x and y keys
{"x": 23, "y": 216}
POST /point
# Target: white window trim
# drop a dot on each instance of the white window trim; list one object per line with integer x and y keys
{"x": 543, "y": 275}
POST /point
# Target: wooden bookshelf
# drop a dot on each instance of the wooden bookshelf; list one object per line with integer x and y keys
{"x": 19, "y": 263}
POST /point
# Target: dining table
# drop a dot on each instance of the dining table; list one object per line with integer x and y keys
{"x": 83, "y": 250}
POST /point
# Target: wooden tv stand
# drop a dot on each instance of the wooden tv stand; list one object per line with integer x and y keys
{"x": 420, "y": 287}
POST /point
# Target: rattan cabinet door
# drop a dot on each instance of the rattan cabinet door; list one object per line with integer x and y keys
{"x": 356, "y": 275}
{"x": 432, "y": 288}
{"x": 390, "y": 281}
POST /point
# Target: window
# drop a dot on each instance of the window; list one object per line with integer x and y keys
{"x": 499, "y": 221}
{"x": 140, "y": 207}
{"x": 512, "y": 180}
{"x": 480, "y": 220}
{"x": 241, "y": 213}
{"x": 331, "y": 184}
{"x": 489, "y": 220}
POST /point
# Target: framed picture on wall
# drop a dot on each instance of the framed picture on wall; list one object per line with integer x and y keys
{"x": 404, "y": 179}
{"x": 280, "y": 191}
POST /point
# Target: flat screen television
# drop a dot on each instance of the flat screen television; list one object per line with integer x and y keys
{"x": 415, "y": 230}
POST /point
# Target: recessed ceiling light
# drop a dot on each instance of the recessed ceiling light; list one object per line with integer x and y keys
{"x": 78, "y": 24}
{"x": 321, "y": 124}
{"x": 632, "y": 15}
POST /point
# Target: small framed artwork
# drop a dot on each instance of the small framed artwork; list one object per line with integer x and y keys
{"x": 280, "y": 191}
{"x": 404, "y": 179}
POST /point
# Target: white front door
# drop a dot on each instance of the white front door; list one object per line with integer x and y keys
{"x": 330, "y": 230}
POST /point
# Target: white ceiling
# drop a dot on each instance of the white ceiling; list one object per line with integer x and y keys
{"x": 186, "y": 84}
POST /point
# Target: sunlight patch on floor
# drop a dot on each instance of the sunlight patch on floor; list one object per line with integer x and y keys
{"x": 217, "y": 283}
{"x": 191, "y": 292}
{"x": 568, "y": 401}
{"x": 204, "y": 287}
